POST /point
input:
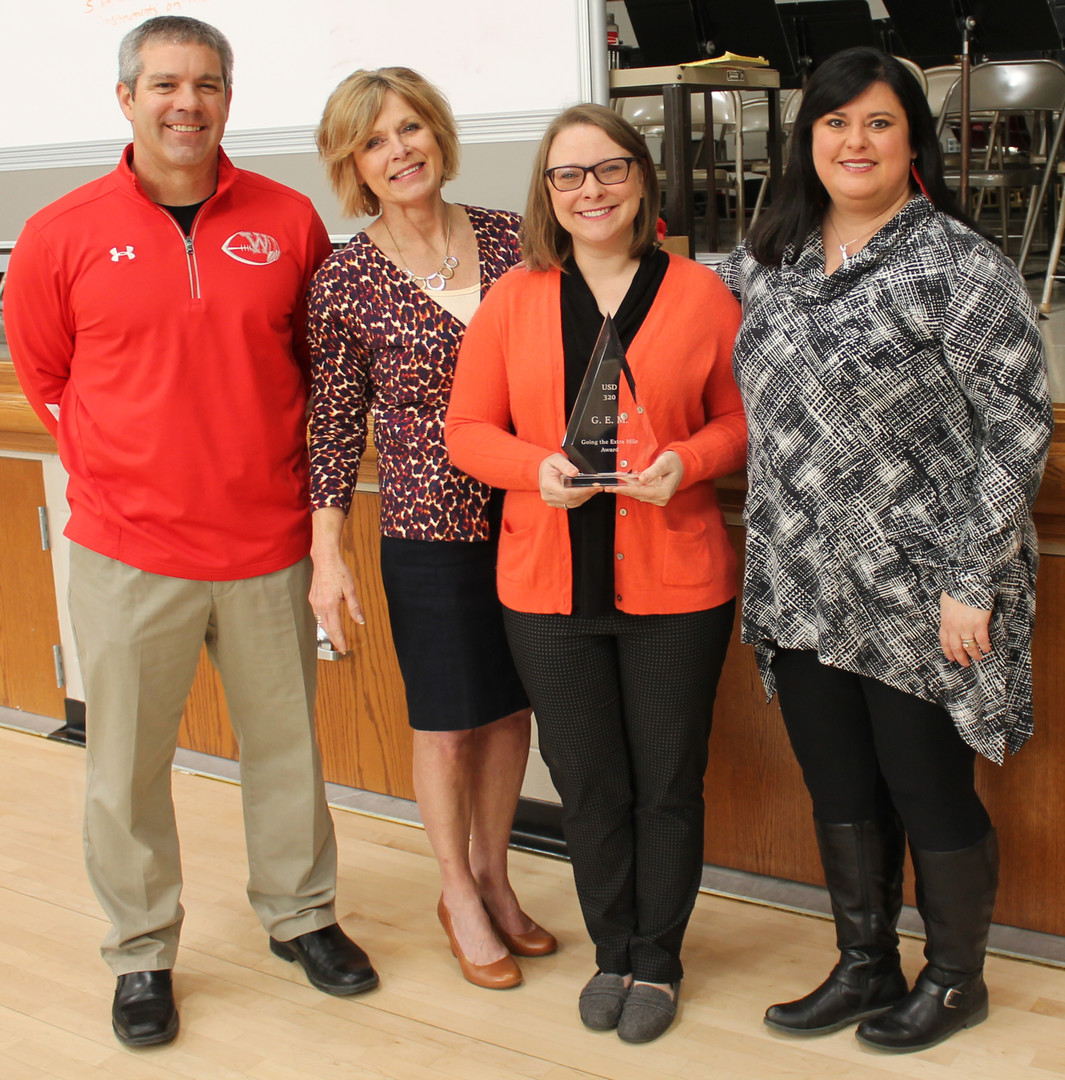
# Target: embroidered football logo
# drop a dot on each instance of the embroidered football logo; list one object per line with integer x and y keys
{"x": 253, "y": 248}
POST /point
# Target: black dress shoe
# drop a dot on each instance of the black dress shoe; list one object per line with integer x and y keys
{"x": 332, "y": 961}
{"x": 143, "y": 1012}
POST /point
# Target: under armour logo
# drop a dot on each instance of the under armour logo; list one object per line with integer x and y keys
{"x": 116, "y": 254}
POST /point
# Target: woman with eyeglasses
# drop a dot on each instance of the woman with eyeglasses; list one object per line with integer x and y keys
{"x": 618, "y": 601}
{"x": 386, "y": 316}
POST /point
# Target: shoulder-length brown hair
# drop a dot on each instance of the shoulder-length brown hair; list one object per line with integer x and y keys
{"x": 349, "y": 117}
{"x": 544, "y": 243}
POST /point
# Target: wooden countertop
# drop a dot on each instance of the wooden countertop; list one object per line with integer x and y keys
{"x": 20, "y": 427}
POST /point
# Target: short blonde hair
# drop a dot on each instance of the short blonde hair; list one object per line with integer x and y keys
{"x": 349, "y": 117}
{"x": 544, "y": 243}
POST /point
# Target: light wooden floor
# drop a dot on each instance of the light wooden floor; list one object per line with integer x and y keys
{"x": 245, "y": 1013}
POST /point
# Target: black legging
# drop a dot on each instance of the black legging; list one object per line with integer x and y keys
{"x": 866, "y": 748}
{"x": 623, "y": 706}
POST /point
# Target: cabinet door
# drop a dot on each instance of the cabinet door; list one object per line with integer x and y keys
{"x": 29, "y": 624}
{"x": 362, "y": 707}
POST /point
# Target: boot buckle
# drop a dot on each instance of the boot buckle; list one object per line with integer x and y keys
{"x": 953, "y": 998}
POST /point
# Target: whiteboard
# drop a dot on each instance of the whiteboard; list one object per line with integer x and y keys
{"x": 496, "y": 60}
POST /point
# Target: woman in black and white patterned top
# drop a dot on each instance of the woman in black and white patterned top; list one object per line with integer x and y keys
{"x": 895, "y": 387}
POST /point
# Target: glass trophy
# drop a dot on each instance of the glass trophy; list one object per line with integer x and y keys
{"x": 609, "y": 436}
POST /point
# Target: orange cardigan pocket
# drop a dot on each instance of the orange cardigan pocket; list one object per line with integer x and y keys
{"x": 519, "y": 556}
{"x": 687, "y": 559}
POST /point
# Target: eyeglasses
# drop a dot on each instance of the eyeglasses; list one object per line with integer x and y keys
{"x": 613, "y": 170}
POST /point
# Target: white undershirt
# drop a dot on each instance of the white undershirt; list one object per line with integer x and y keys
{"x": 461, "y": 303}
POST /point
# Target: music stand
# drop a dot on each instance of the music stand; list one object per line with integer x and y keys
{"x": 932, "y": 27}
{"x": 672, "y": 32}
{"x": 750, "y": 28}
{"x": 888, "y": 39}
{"x": 747, "y": 28}
{"x": 682, "y": 31}
{"x": 817, "y": 29}
{"x": 931, "y": 30}
{"x": 666, "y": 31}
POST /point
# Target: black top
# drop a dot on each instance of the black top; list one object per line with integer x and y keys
{"x": 185, "y": 215}
{"x": 591, "y": 526}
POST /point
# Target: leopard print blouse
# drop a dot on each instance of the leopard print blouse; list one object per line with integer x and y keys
{"x": 380, "y": 345}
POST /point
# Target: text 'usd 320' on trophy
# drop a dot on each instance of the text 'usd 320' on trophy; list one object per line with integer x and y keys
{"x": 609, "y": 436}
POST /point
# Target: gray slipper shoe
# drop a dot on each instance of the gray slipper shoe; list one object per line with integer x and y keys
{"x": 647, "y": 1013}
{"x": 602, "y": 1000}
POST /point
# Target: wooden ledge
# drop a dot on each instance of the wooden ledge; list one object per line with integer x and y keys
{"x": 20, "y": 427}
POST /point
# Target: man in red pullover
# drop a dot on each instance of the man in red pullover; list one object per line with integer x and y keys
{"x": 156, "y": 321}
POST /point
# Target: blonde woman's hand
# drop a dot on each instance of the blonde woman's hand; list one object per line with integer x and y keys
{"x": 658, "y": 482}
{"x": 332, "y": 586}
{"x": 963, "y": 630}
{"x": 552, "y": 491}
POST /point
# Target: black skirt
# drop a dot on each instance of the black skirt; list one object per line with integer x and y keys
{"x": 447, "y": 625}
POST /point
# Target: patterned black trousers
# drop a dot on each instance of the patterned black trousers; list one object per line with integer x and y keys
{"x": 865, "y": 748}
{"x": 623, "y": 707}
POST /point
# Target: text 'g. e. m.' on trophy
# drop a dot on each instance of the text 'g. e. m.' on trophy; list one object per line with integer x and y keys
{"x": 609, "y": 436}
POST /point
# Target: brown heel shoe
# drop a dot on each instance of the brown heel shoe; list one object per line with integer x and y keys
{"x": 535, "y": 942}
{"x": 501, "y": 974}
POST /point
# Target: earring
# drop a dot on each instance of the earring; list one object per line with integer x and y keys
{"x": 920, "y": 183}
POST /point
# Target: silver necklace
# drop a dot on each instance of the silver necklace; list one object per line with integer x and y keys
{"x": 437, "y": 280}
{"x": 844, "y": 253}
{"x": 843, "y": 246}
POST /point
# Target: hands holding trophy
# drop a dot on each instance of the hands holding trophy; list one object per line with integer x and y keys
{"x": 609, "y": 437}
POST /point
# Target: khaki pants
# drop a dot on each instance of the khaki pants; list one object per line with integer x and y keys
{"x": 139, "y": 637}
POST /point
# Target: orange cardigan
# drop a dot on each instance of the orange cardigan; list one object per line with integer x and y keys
{"x": 507, "y": 414}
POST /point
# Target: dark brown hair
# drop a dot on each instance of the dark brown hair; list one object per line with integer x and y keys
{"x": 802, "y": 199}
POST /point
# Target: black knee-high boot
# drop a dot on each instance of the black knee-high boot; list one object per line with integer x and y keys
{"x": 956, "y": 897}
{"x": 863, "y": 871}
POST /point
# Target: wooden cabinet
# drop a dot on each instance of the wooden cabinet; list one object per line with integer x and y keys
{"x": 367, "y": 741}
{"x": 758, "y": 816}
{"x": 29, "y": 623}
{"x": 758, "y": 812}
{"x": 757, "y": 809}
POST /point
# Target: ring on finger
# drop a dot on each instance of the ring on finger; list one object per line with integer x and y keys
{"x": 967, "y": 643}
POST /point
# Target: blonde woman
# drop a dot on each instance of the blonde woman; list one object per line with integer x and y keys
{"x": 386, "y": 317}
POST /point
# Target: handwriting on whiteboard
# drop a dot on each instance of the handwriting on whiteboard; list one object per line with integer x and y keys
{"x": 119, "y": 12}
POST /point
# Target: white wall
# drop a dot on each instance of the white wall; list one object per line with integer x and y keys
{"x": 495, "y": 61}
{"x": 506, "y": 67}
